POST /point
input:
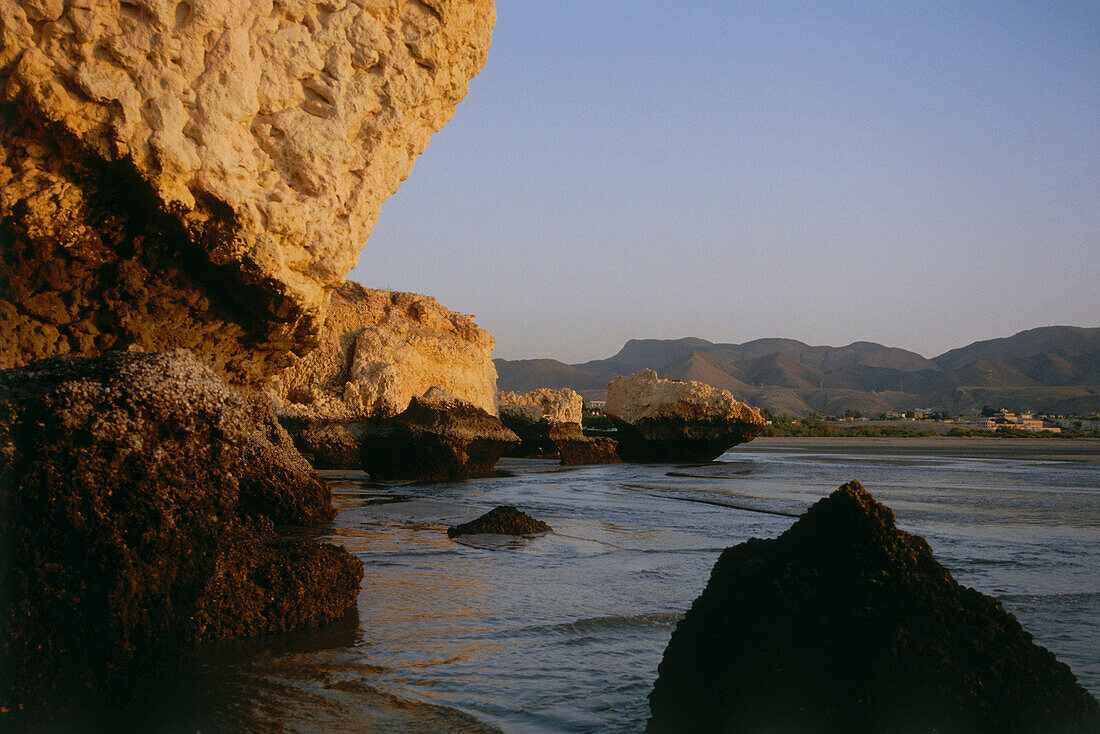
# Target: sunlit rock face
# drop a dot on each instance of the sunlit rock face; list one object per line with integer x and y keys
{"x": 203, "y": 174}
{"x": 670, "y": 420}
{"x": 546, "y": 404}
{"x": 378, "y": 350}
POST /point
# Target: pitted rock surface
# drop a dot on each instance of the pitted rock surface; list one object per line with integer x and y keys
{"x": 503, "y": 520}
{"x": 138, "y": 500}
{"x": 203, "y": 174}
{"x": 552, "y": 406}
{"x": 379, "y": 349}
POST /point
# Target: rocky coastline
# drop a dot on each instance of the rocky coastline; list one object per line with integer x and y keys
{"x": 183, "y": 191}
{"x": 548, "y": 423}
{"x": 438, "y": 437}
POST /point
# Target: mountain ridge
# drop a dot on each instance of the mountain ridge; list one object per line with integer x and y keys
{"x": 1053, "y": 369}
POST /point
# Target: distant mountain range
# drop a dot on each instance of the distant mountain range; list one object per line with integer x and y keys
{"x": 1054, "y": 369}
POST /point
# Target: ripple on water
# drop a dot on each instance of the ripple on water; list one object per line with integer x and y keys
{"x": 564, "y": 632}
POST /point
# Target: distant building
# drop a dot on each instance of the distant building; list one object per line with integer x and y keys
{"x": 1023, "y": 422}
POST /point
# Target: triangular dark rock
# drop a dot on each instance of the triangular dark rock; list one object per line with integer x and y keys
{"x": 847, "y": 624}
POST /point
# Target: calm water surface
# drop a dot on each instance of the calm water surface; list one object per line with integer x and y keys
{"x": 563, "y": 633}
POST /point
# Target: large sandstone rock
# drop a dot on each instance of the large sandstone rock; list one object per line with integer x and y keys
{"x": 547, "y": 404}
{"x": 438, "y": 437}
{"x": 847, "y": 624}
{"x": 138, "y": 499}
{"x": 203, "y": 174}
{"x": 378, "y": 350}
{"x": 670, "y": 420}
{"x": 548, "y": 423}
{"x": 536, "y": 414}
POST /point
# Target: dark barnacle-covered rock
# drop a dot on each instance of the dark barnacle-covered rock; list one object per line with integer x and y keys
{"x": 847, "y": 624}
{"x": 138, "y": 502}
{"x": 502, "y": 520}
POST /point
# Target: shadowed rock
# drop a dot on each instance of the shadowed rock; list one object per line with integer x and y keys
{"x": 669, "y": 420}
{"x": 847, "y": 624}
{"x": 438, "y": 437}
{"x": 504, "y": 520}
{"x": 138, "y": 499}
{"x": 331, "y": 445}
{"x": 575, "y": 448}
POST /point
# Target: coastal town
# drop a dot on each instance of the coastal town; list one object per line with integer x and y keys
{"x": 926, "y": 421}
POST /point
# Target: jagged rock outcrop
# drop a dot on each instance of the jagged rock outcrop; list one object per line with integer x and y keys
{"x": 438, "y": 437}
{"x": 536, "y": 414}
{"x": 846, "y": 624}
{"x": 669, "y": 420}
{"x": 378, "y": 350}
{"x": 548, "y": 423}
{"x": 503, "y": 520}
{"x": 138, "y": 500}
{"x": 202, "y": 175}
{"x": 546, "y": 404}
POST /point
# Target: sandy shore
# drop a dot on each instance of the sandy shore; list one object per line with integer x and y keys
{"x": 1041, "y": 449}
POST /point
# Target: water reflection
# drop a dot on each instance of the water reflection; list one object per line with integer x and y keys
{"x": 564, "y": 632}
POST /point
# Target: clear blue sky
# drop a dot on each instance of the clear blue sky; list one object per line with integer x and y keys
{"x": 922, "y": 175}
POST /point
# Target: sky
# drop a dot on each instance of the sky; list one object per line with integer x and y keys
{"x": 919, "y": 174}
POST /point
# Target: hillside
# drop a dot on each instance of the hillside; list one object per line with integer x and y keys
{"x": 1051, "y": 369}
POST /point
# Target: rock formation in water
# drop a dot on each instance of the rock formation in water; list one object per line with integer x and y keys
{"x": 438, "y": 437}
{"x": 669, "y": 420}
{"x": 202, "y": 175}
{"x": 378, "y": 349}
{"x": 138, "y": 500}
{"x": 548, "y": 423}
{"x": 846, "y": 624}
{"x": 575, "y": 448}
{"x": 545, "y": 404}
{"x": 503, "y": 520}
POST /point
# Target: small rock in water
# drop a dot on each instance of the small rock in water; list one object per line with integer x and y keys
{"x": 501, "y": 521}
{"x": 846, "y": 624}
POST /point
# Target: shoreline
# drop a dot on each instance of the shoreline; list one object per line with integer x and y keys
{"x": 1057, "y": 449}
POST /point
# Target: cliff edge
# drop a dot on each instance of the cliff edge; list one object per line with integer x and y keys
{"x": 202, "y": 175}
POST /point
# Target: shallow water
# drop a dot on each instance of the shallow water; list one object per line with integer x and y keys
{"x": 563, "y": 632}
